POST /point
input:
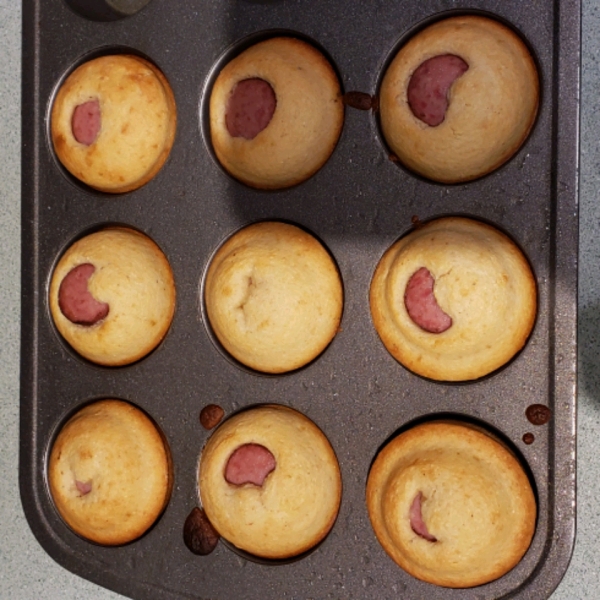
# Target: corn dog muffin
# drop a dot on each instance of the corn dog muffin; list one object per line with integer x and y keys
{"x": 112, "y": 296}
{"x": 113, "y": 122}
{"x": 453, "y": 300}
{"x": 459, "y": 99}
{"x": 451, "y": 505}
{"x": 273, "y": 297}
{"x": 276, "y": 113}
{"x": 269, "y": 482}
{"x": 109, "y": 472}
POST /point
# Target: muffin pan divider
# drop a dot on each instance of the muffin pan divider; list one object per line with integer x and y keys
{"x": 358, "y": 204}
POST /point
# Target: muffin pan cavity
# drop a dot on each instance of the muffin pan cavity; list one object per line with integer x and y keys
{"x": 110, "y": 473}
{"x": 270, "y": 484}
{"x": 112, "y": 296}
{"x": 273, "y": 110}
{"x": 451, "y": 503}
{"x": 356, "y": 206}
{"x": 272, "y": 297}
{"x": 112, "y": 121}
{"x": 106, "y": 10}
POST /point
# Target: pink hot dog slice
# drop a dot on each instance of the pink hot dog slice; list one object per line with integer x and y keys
{"x": 416, "y": 519}
{"x": 83, "y": 487}
{"x": 428, "y": 87}
{"x": 250, "y": 108}
{"x": 250, "y": 463}
{"x": 75, "y": 300}
{"x": 421, "y": 304}
{"x": 86, "y": 122}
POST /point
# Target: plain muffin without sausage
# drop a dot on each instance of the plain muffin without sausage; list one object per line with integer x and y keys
{"x": 273, "y": 297}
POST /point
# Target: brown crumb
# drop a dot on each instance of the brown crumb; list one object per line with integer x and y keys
{"x": 528, "y": 438}
{"x": 198, "y": 533}
{"x": 211, "y": 415}
{"x": 358, "y": 100}
{"x": 538, "y": 414}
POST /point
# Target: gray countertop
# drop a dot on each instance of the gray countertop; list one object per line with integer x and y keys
{"x": 27, "y": 572}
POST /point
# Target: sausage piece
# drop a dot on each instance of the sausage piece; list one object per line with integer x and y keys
{"x": 83, "y": 487}
{"x": 86, "y": 121}
{"x": 75, "y": 300}
{"x": 421, "y": 304}
{"x": 250, "y": 108}
{"x": 429, "y": 85}
{"x": 250, "y": 463}
{"x": 416, "y": 519}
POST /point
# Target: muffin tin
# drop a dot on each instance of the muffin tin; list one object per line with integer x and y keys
{"x": 357, "y": 204}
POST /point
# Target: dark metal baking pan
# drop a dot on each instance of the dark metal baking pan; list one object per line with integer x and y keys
{"x": 357, "y": 204}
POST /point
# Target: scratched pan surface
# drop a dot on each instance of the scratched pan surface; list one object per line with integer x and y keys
{"x": 358, "y": 204}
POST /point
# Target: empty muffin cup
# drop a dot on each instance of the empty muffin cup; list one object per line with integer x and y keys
{"x": 106, "y": 10}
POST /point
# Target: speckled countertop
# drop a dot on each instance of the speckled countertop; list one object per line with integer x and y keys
{"x": 27, "y": 572}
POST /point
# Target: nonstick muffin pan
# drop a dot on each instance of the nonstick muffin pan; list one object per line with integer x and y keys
{"x": 358, "y": 204}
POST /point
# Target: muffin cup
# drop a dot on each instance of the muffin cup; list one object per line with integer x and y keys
{"x": 109, "y": 486}
{"x": 287, "y": 512}
{"x": 451, "y": 503}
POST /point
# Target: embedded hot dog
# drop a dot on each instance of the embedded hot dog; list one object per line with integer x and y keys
{"x": 250, "y": 463}
{"x": 83, "y": 487}
{"x": 421, "y": 304}
{"x": 75, "y": 300}
{"x": 86, "y": 122}
{"x": 429, "y": 86}
{"x": 416, "y": 519}
{"x": 250, "y": 108}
